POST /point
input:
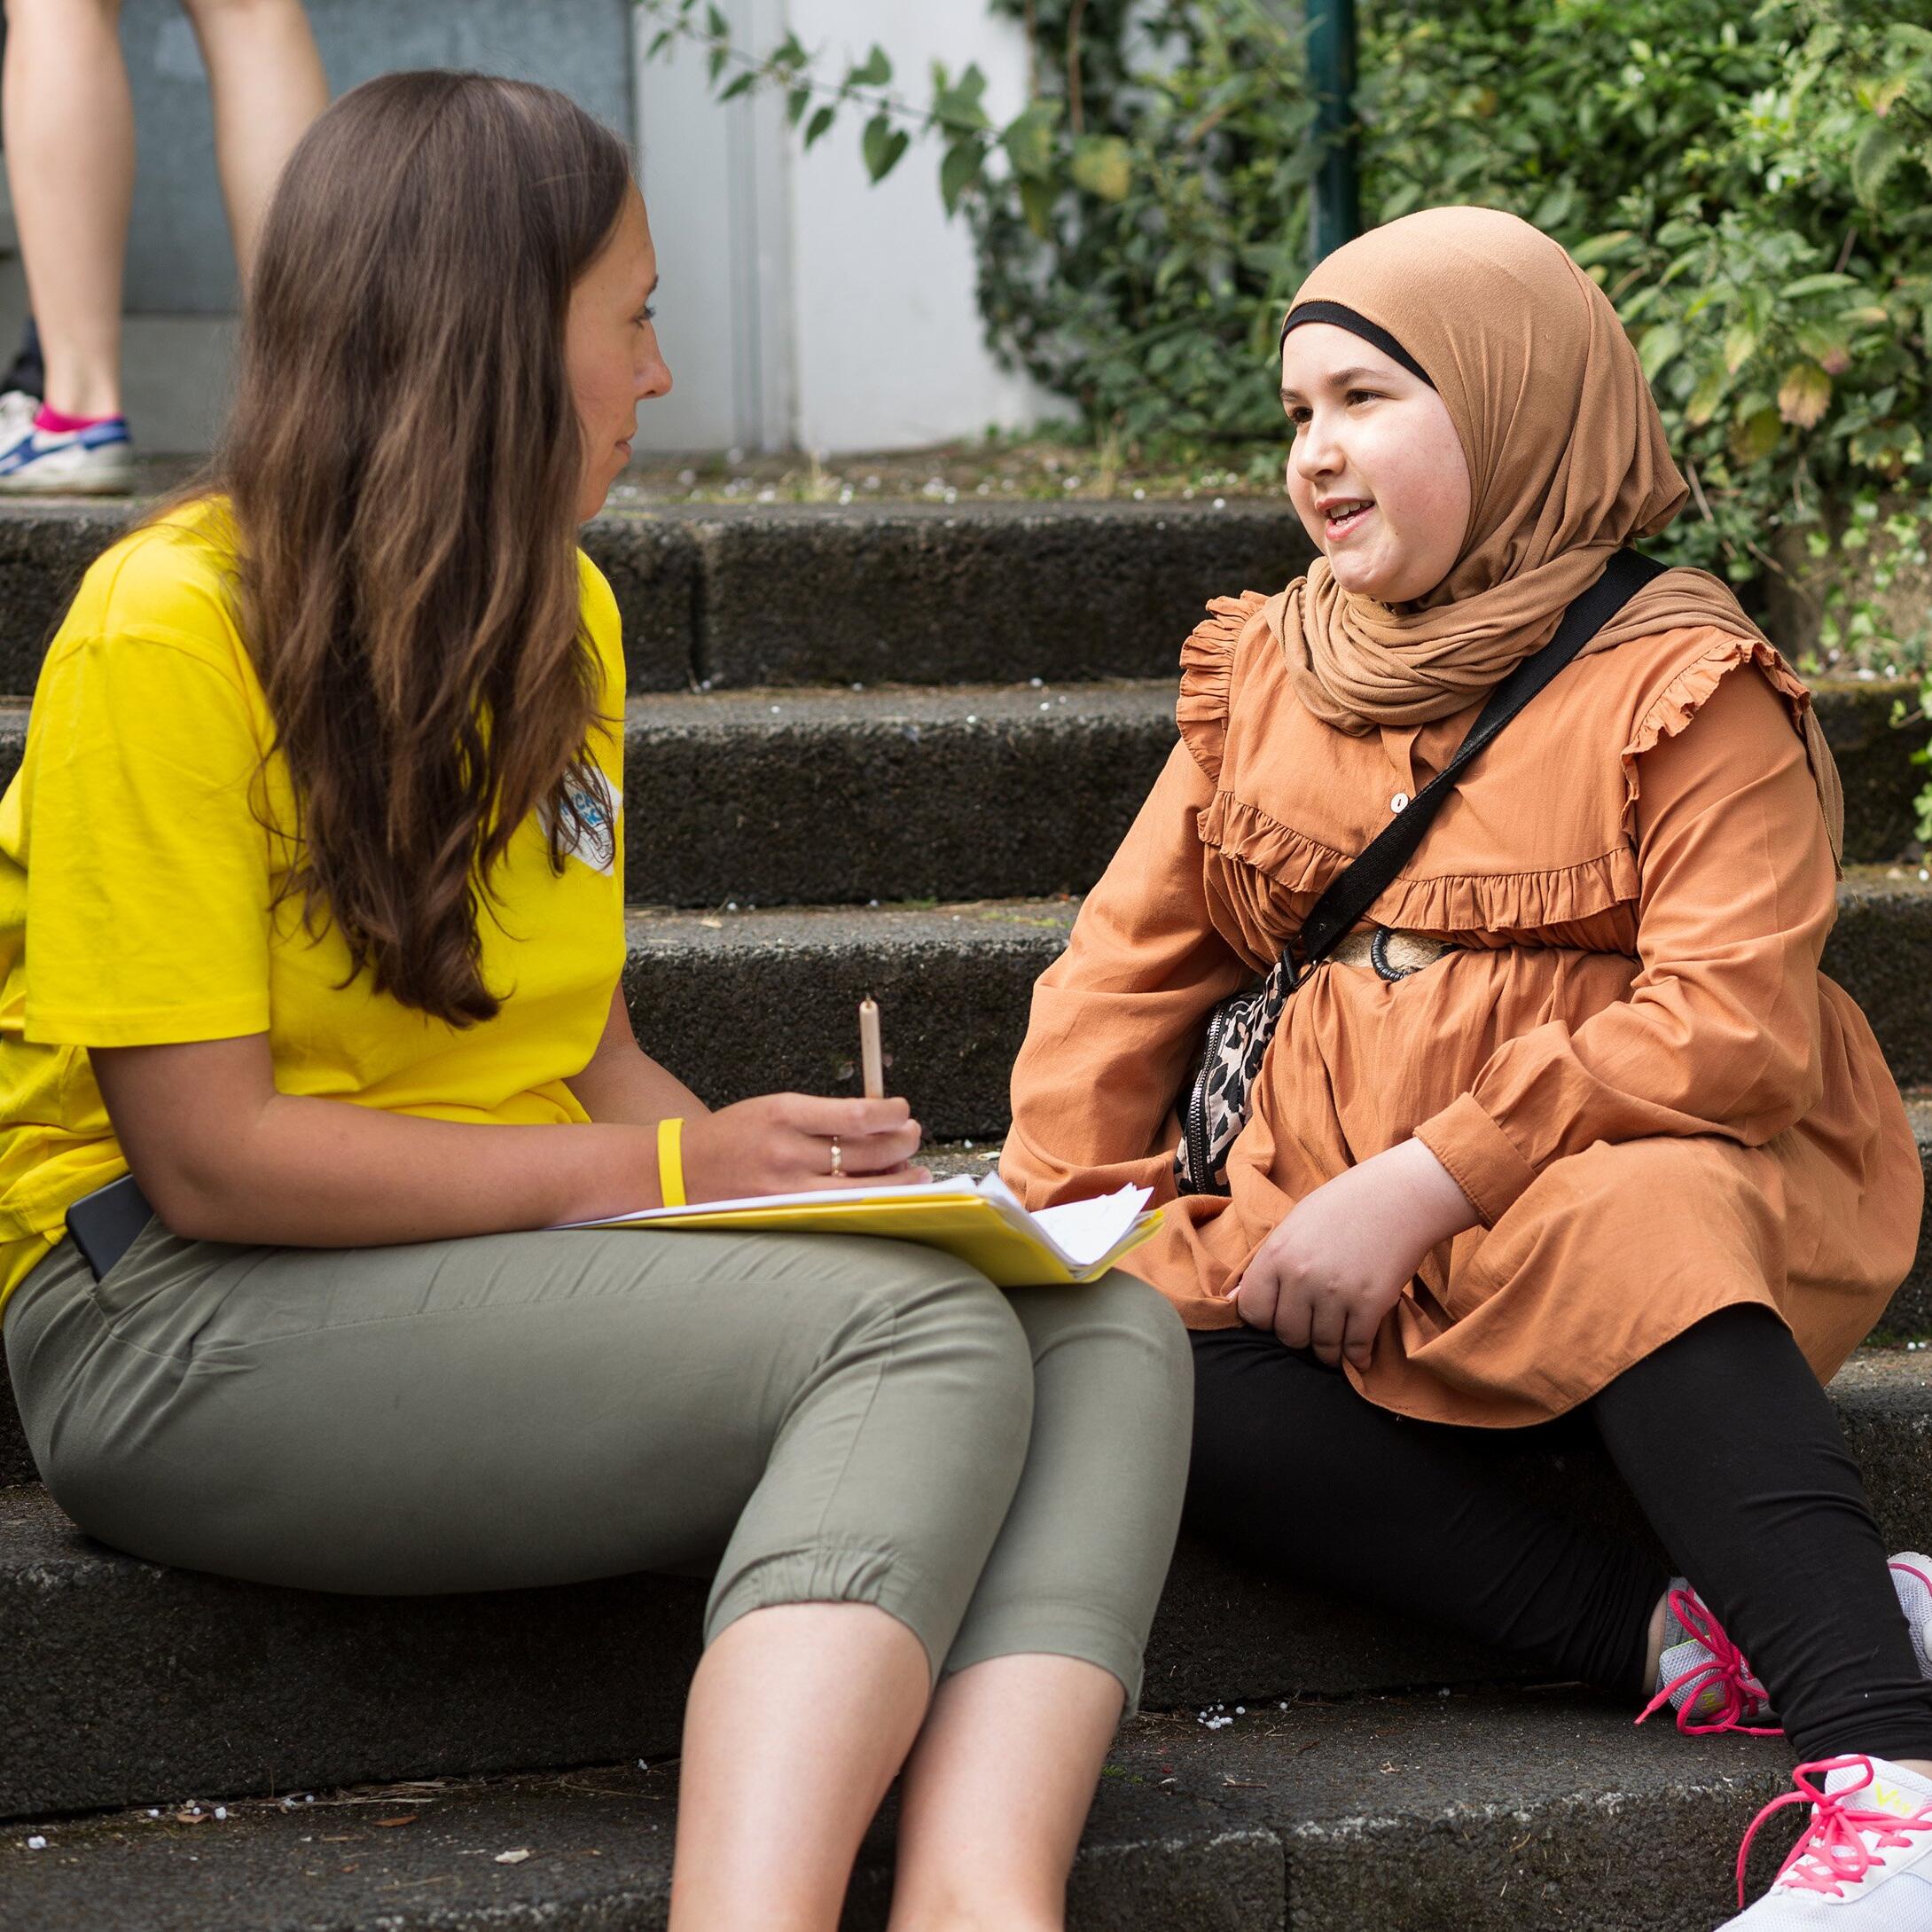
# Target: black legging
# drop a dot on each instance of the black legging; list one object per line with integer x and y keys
{"x": 1724, "y": 1437}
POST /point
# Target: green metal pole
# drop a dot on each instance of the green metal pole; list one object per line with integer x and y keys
{"x": 1331, "y": 72}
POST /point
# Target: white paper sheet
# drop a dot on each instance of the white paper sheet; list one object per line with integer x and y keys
{"x": 1083, "y": 1230}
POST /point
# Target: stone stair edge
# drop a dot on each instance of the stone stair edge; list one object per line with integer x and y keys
{"x": 833, "y": 699}
{"x": 1846, "y": 705}
{"x": 130, "y": 1683}
{"x": 798, "y": 594}
{"x": 809, "y": 795}
{"x": 808, "y": 594}
{"x": 1515, "y": 1811}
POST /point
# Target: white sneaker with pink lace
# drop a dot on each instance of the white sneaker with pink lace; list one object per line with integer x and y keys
{"x": 1863, "y": 1863}
{"x": 1704, "y": 1676}
{"x": 1912, "y": 1579}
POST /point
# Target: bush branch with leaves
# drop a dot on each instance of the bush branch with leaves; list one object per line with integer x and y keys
{"x": 1752, "y": 185}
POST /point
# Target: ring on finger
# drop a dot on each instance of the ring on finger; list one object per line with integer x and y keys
{"x": 837, "y": 1159}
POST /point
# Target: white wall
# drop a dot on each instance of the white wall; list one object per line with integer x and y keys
{"x": 887, "y": 334}
{"x": 804, "y": 307}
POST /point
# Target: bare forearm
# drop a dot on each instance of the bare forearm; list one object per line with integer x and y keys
{"x": 627, "y": 1086}
{"x": 311, "y": 1173}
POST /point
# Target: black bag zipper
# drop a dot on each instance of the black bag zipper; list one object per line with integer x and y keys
{"x": 1197, "y": 1109}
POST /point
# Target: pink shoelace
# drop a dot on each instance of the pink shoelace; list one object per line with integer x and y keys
{"x": 1833, "y": 1852}
{"x": 1744, "y": 1697}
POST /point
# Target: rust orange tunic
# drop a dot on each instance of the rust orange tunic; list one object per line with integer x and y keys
{"x": 1633, "y": 1067}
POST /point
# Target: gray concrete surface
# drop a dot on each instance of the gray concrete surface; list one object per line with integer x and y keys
{"x": 1881, "y": 952}
{"x": 152, "y": 1684}
{"x": 1910, "y": 1316}
{"x": 1500, "y": 1812}
{"x": 812, "y": 797}
{"x": 1510, "y": 1811}
{"x": 955, "y": 983}
{"x": 739, "y": 1003}
{"x": 792, "y": 595}
{"x": 916, "y": 594}
{"x": 132, "y": 1683}
{"x": 990, "y": 594}
{"x": 46, "y": 545}
{"x": 782, "y": 796}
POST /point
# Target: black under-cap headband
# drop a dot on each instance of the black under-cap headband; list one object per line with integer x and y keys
{"x": 1347, "y": 319}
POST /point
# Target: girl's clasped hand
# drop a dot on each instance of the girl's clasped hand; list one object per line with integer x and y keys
{"x": 1339, "y": 1260}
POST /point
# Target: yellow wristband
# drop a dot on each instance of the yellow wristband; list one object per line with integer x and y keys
{"x": 670, "y": 1162}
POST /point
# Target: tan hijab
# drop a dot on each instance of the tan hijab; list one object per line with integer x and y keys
{"x": 1568, "y": 463}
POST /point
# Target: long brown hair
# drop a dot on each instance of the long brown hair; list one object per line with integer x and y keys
{"x": 404, "y": 462}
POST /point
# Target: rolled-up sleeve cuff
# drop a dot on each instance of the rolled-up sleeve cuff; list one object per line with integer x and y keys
{"x": 1481, "y": 1158}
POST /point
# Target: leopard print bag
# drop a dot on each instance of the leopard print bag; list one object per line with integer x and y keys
{"x": 1219, "y": 1094}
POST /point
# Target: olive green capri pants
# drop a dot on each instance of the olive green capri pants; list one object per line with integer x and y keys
{"x": 813, "y": 1418}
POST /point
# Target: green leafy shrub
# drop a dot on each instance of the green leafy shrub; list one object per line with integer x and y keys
{"x": 1751, "y": 184}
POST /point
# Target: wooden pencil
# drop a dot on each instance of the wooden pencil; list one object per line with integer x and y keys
{"x": 871, "y": 1056}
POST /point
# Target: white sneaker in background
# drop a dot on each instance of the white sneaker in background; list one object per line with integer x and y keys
{"x": 1863, "y": 1863}
{"x": 1703, "y": 1675}
{"x": 95, "y": 461}
{"x": 17, "y": 410}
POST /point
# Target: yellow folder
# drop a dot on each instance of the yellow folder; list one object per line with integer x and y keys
{"x": 980, "y": 1222}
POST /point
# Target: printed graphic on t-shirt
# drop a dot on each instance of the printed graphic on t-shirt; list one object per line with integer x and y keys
{"x": 594, "y": 840}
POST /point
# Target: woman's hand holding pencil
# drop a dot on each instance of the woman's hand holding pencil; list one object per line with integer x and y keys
{"x": 797, "y": 1143}
{"x": 792, "y": 1143}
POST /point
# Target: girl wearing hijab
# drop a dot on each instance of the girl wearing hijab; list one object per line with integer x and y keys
{"x": 1582, "y": 1127}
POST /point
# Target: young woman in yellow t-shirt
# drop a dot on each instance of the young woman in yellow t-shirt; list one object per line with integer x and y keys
{"x": 318, "y": 841}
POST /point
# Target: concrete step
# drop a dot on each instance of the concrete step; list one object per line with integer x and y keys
{"x": 1501, "y": 1812}
{"x": 817, "y": 797}
{"x": 788, "y": 594}
{"x": 955, "y": 981}
{"x": 812, "y": 797}
{"x": 784, "y": 594}
{"x": 132, "y": 1683}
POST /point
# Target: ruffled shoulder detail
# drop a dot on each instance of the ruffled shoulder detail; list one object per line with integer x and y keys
{"x": 1208, "y": 675}
{"x": 1684, "y": 693}
{"x": 1446, "y": 903}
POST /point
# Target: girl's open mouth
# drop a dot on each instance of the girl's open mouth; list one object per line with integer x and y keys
{"x": 1345, "y": 519}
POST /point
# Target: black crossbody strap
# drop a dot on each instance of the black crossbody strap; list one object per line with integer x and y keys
{"x": 1349, "y": 898}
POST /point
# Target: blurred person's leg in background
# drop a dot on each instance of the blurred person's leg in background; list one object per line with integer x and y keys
{"x": 69, "y": 134}
{"x": 70, "y": 164}
{"x": 266, "y": 81}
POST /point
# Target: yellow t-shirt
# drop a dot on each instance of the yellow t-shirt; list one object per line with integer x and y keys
{"x": 132, "y": 848}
